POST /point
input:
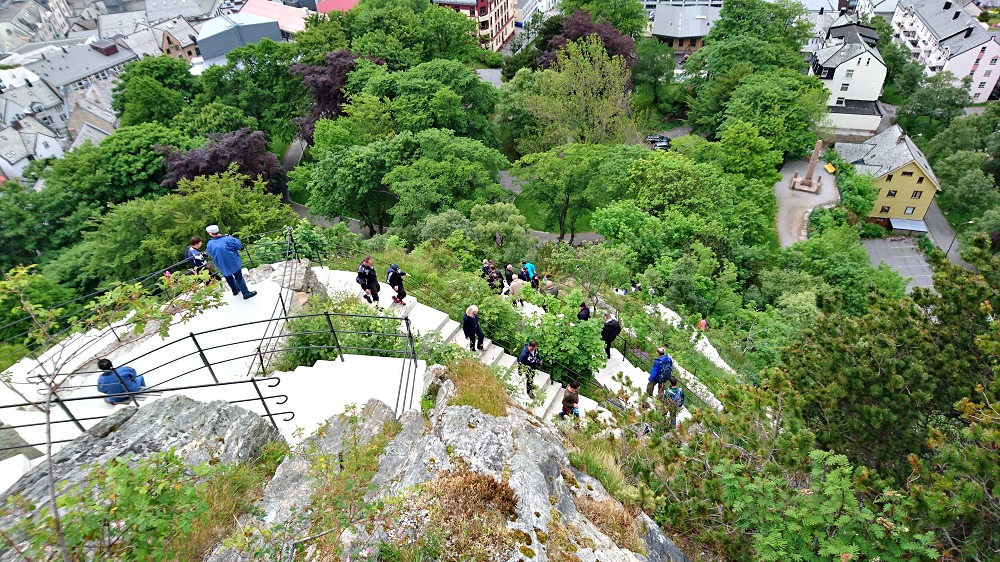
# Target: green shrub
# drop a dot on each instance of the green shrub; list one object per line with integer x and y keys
{"x": 478, "y": 387}
{"x": 311, "y": 340}
{"x": 872, "y": 230}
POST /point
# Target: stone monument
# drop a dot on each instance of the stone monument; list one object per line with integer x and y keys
{"x": 809, "y": 182}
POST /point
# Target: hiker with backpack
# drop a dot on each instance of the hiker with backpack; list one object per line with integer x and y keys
{"x": 395, "y": 280}
{"x": 368, "y": 279}
{"x": 674, "y": 397}
{"x": 662, "y": 371}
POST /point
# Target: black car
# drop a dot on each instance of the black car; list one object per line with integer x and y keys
{"x": 653, "y": 139}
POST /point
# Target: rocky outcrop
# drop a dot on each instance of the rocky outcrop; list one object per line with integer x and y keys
{"x": 197, "y": 432}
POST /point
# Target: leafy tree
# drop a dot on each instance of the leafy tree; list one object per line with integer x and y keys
{"x": 501, "y": 231}
{"x": 787, "y": 107}
{"x": 744, "y": 151}
{"x": 325, "y": 82}
{"x": 577, "y": 26}
{"x": 133, "y": 85}
{"x": 570, "y": 181}
{"x": 628, "y": 16}
{"x": 707, "y": 111}
{"x": 244, "y": 149}
{"x": 393, "y": 34}
{"x": 934, "y": 105}
{"x": 596, "y": 267}
{"x": 202, "y": 121}
{"x": 423, "y": 173}
{"x": 624, "y": 223}
{"x": 583, "y": 98}
{"x": 40, "y": 291}
{"x": 901, "y": 70}
{"x": 324, "y": 33}
{"x": 720, "y": 57}
{"x": 443, "y": 224}
{"x": 654, "y": 71}
{"x": 966, "y": 190}
{"x": 257, "y": 79}
{"x": 147, "y": 101}
{"x": 448, "y": 34}
{"x": 782, "y": 22}
{"x": 830, "y": 519}
{"x": 146, "y": 234}
{"x": 570, "y": 349}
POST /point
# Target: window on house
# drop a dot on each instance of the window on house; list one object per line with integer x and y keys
{"x": 920, "y": 179}
{"x": 982, "y": 85}
{"x": 45, "y": 144}
{"x": 888, "y": 178}
{"x": 987, "y": 73}
{"x": 907, "y": 174}
{"x": 975, "y": 96}
{"x": 917, "y": 195}
{"x": 885, "y": 209}
{"x": 994, "y": 60}
{"x": 849, "y": 74}
{"x": 840, "y": 101}
{"x": 692, "y": 42}
{"x": 892, "y": 193}
{"x": 868, "y": 61}
{"x": 909, "y": 210}
{"x": 844, "y": 87}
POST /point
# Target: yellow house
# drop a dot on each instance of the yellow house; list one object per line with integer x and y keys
{"x": 904, "y": 179}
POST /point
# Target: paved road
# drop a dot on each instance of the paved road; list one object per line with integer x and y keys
{"x": 793, "y": 206}
{"x": 943, "y": 235}
{"x": 293, "y": 155}
{"x": 904, "y": 257}
{"x": 976, "y": 109}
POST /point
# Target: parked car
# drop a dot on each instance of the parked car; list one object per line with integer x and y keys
{"x": 652, "y": 139}
{"x": 665, "y": 145}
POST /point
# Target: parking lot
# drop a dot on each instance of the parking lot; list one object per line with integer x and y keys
{"x": 904, "y": 257}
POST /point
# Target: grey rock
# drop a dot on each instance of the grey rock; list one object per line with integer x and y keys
{"x": 15, "y": 445}
{"x": 195, "y": 430}
{"x": 291, "y": 489}
{"x": 658, "y": 547}
{"x": 411, "y": 458}
{"x": 485, "y": 442}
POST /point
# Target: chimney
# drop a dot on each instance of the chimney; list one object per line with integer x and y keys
{"x": 947, "y": 5}
{"x": 821, "y": 10}
{"x": 901, "y": 137}
{"x": 28, "y": 82}
{"x": 957, "y": 13}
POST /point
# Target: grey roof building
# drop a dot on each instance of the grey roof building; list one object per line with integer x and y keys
{"x": 885, "y": 152}
{"x": 224, "y": 33}
{"x": 73, "y": 67}
{"x": 683, "y": 23}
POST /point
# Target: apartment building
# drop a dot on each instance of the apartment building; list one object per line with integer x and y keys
{"x": 944, "y": 37}
{"x": 494, "y": 18}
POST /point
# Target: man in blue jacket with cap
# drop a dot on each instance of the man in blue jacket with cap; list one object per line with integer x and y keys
{"x": 120, "y": 380}
{"x": 225, "y": 253}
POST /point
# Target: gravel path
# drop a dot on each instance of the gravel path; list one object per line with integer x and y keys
{"x": 794, "y": 206}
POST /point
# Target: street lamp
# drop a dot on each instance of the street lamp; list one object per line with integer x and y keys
{"x": 959, "y": 229}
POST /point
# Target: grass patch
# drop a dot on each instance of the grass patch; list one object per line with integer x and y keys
{"x": 278, "y": 147}
{"x": 534, "y": 213}
{"x": 471, "y": 510}
{"x": 478, "y": 387}
{"x": 229, "y": 493}
{"x": 891, "y": 95}
{"x": 614, "y": 521}
{"x": 597, "y": 457}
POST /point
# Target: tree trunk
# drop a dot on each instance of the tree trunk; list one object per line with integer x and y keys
{"x": 562, "y": 219}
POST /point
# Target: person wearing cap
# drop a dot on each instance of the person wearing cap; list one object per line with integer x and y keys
{"x": 225, "y": 253}
{"x": 395, "y": 280}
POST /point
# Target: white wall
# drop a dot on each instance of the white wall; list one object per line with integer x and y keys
{"x": 855, "y": 122}
{"x": 865, "y": 84}
{"x": 961, "y": 65}
{"x": 47, "y": 147}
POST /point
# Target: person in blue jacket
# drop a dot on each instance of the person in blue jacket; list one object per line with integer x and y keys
{"x": 225, "y": 253}
{"x": 532, "y": 273}
{"x": 118, "y": 380}
{"x": 663, "y": 369}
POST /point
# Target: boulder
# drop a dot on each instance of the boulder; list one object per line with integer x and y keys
{"x": 197, "y": 432}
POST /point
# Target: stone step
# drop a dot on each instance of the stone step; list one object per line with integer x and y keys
{"x": 491, "y": 354}
{"x": 505, "y": 361}
{"x": 424, "y": 319}
{"x": 552, "y": 403}
{"x": 449, "y": 330}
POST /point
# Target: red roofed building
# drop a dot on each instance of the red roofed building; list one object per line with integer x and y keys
{"x": 327, "y": 6}
{"x": 494, "y": 18}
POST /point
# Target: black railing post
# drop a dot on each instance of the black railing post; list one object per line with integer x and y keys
{"x": 76, "y": 422}
{"x": 281, "y": 299}
{"x": 263, "y": 402}
{"x": 204, "y": 359}
{"x": 409, "y": 340}
{"x": 291, "y": 240}
{"x": 336, "y": 340}
{"x": 112, "y": 328}
{"x": 124, "y": 388}
{"x": 260, "y": 355}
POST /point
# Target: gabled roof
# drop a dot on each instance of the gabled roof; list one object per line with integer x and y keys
{"x": 885, "y": 152}
{"x": 223, "y": 23}
{"x": 290, "y": 19}
{"x": 953, "y": 27}
{"x": 694, "y": 20}
{"x": 327, "y": 6}
{"x": 16, "y": 143}
{"x": 59, "y": 67}
{"x": 832, "y": 57}
{"x": 89, "y": 133}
